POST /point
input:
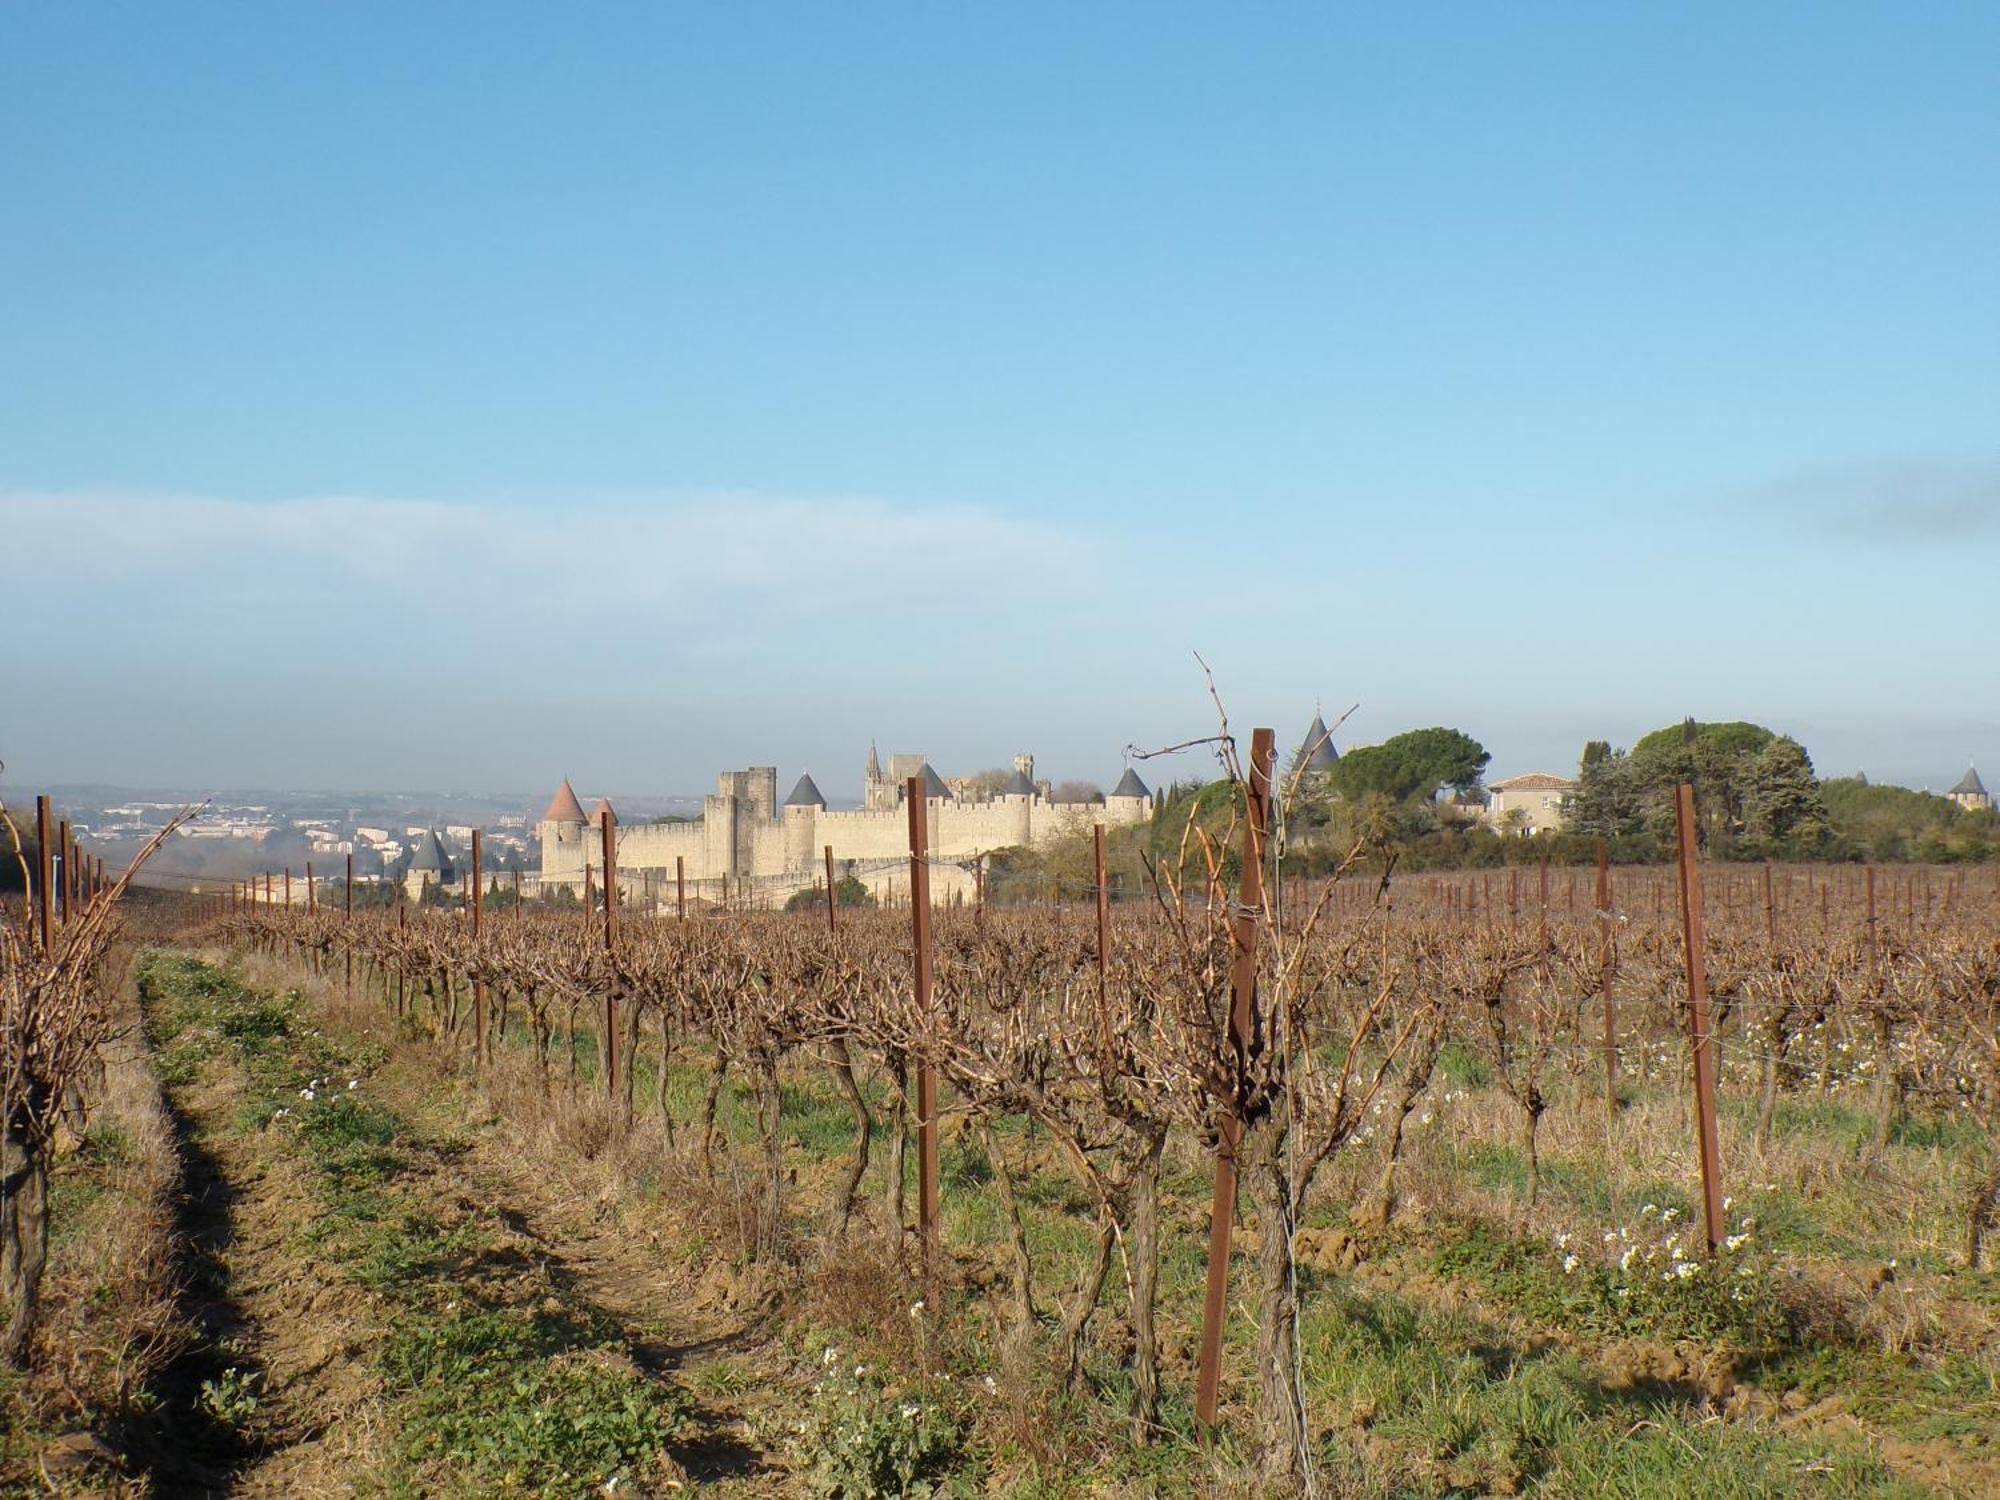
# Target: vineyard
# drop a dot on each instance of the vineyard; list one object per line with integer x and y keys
{"x": 1235, "y": 1186}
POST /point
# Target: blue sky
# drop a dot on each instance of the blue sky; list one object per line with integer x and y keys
{"x": 463, "y": 396}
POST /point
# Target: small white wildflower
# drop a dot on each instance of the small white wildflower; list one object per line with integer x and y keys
{"x": 917, "y": 1308}
{"x": 992, "y": 1388}
{"x": 1670, "y": 1215}
{"x": 355, "y": 1083}
{"x": 830, "y": 1356}
{"x": 1570, "y": 1263}
{"x": 1735, "y": 1241}
{"x": 910, "y": 1411}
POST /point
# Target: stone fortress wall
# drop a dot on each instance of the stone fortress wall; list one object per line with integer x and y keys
{"x": 755, "y": 851}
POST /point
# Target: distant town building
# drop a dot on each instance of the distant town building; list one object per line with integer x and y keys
{"x": 1529, "y": 804}
{"x": 1970, "y": 793}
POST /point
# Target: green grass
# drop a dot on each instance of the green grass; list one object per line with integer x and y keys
{"x": 507, "y": 1400}
{"x": 1419, "y": 1401}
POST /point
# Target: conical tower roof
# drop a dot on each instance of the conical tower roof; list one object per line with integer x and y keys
{"x": 933, "y": 783}
{"x": 563, "y": 806}
{"x": 1969, "y": 785}
{"x": 1129, "y": 785}
{"x": 431, "y": 856}
{"x": 1316, "y": 752}
{"x": 805, "y": 794}
{"x": 603, "y": 813}
{"x": 1017, "y": 785}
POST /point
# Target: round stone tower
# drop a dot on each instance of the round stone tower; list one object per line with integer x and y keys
{"x": 562, "y": 830}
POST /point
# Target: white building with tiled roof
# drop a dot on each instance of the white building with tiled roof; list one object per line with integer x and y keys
{"x": 1529, "y": 804}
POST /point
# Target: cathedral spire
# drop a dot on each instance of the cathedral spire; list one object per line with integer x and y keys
{"x": 874, "y": 763}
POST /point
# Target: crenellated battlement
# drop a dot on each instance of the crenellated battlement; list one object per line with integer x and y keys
{"x": 745, "y": 836}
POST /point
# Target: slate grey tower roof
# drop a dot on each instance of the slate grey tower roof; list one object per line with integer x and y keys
{"x": 1316, "y": 752}
{"x": 1129, "y": 785}
{"x": 805, "y": 794}
{"x": 431, "y": 856}
{"x": 1017, "y": 785}
{"x": 933, "y": 783}
{"x": 1969, "y": 784}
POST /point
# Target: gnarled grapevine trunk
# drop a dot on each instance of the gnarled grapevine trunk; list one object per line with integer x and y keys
{"x": 1280, "y": 1416}
{"x": 1145, "y": 1201}
{"x": 843, "y": 1075}
{"x": 1076, "y": 1322}
{"x": 24, "y": 1228}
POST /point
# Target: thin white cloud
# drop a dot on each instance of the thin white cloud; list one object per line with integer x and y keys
{"x": 669, "y": 558}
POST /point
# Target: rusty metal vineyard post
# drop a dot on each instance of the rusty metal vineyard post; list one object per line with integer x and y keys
{"x": 1607, "y": 967}
{"x": 44, "y": 872}
{"x": 348, "y": 920}
{"x": 66, "y": 853}
{"x": 478, "y": 982}
{"x": 920, "y": 932}
{"x": 1103, "y": 938}
{"x": 1869, "y": 880}
{"x": 1242, "y": 1026}
{"x": 832, "y": 901}
{"x": 1698, "y": 1017}
{"x": 608, "y": 829}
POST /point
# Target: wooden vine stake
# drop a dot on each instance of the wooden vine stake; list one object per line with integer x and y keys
{"x": 1698, "y": 1018}
{"x": 920, "y": 932}
{"x": 1242, "y": 1025}
{"x": 832, "y": 904}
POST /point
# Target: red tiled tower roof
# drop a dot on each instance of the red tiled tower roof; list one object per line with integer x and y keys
{"x": 563, "y": 806}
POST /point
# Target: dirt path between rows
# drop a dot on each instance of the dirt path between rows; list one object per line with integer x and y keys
{"x": 583, "y": 1249}
{"x": 291, "y": 1342}
{"x": 278, "y": 1399}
